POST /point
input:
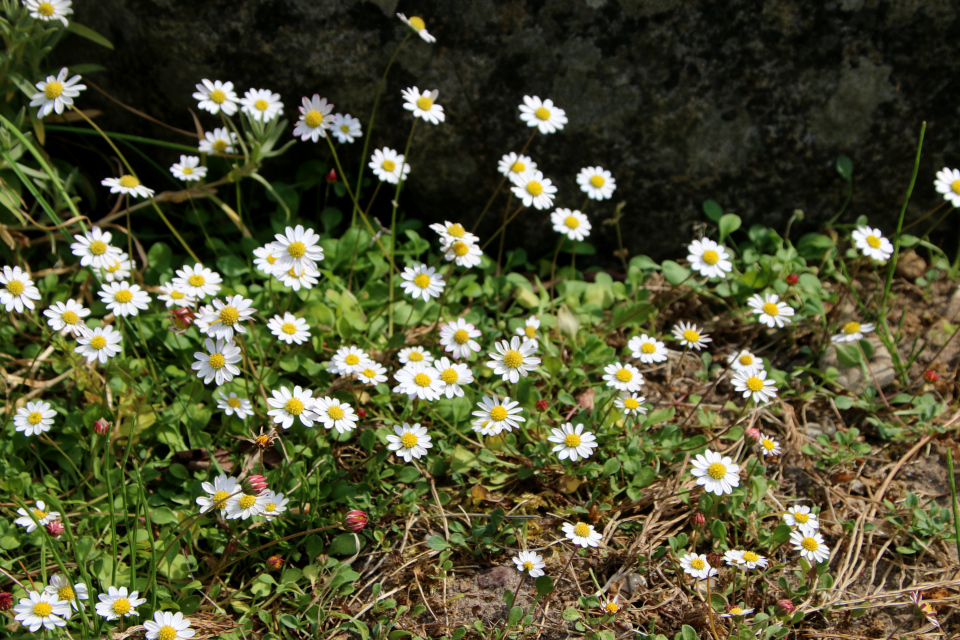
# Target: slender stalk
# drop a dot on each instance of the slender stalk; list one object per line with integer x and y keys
{"x": 393, "y": 224}
{"x": 500, "y": 186}
{"x": 953, "y": 497}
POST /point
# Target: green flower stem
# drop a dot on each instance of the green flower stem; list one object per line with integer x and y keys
{"x": 393, "y": 224}
{"x": 356, "y": 242}
{"x": 502, "y": 182}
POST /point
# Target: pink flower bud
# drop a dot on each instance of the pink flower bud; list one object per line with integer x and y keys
{"x": 786, "y": 606}
{"x": 274, "y": 562}
{"x": 361, "y": 413}
{"x": 541, "y": 405}
{"x": 753, "y": 433}
{"x": 698, "y": 520}
{"x": 931, "y": 376}
{"x": 255, "y": 484}
{"x": 101, "y": 427}
{"x": 55, "y": 528}
{"x": 230, "y": 549}
{"x": 6, "y": 600}
{"x": 356, "y": 520}
{"x": 332, "y": 176}
{"x": 793, "y": 279}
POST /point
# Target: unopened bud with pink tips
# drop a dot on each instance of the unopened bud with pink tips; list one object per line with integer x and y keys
{"x": 356, "y": 520}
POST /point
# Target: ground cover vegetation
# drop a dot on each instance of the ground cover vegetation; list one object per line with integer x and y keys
{"x": 323, "y": 424}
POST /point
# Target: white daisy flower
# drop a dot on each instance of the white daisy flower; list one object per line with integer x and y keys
{"x": 418, "y": 380}
{"x": 419, "y": 26}
{"x": 647, "y": 349}
{"x": 624, "y": 377}
{"x": 751, "y": 560}
{"x": 755, "y": 385}
{"x": 514, "y": 359}
{"x": 409, "y": 442}
{"x": 117, "y": 603}
{"x": 288, "y": 406}
{"x": 533, "y": 189}
{"x": 127, "y": 185}
{"x": 948, "y": 183}
{"x": 289, "y": 328}
{"x": 171, "y": 296}
{"x": 689, "y": 335}
{"x": 228, "y": 317}
{"x": 188, "y": 169}
{"x": 60, "y": 586}
{"x": 315, "y": 119}
{"x": 872, "y": 243}
{"x": 582, "y": 534}
{"x": 219, "y": 141}
{"x": 124, "y": 299}
{"x": 717, "y": 474}
{"x": 458, "y": 338}
{"x": 168, "y": 626}
{"x": 220, "y": 492}
{"x": 265, "y": 257}
{"x": 18, "y": 291}
{"x": 572, "y": 442}
{"x": 852, "y": 331}
{"x": 463, "y": 254}
{"x": 544, "y": 115}
{"x": 773, "y": 311}
{"x": 630, "y": 404}
{"x": 802, "y": 518}
{"x": 118, "y": 270}
{"x": 597, "y": 183}
{"x": 203, "y": 311}
{"x": 216, "y": 96}
{"x": 423, "y": 105}
{"x": 348, "y": 360}
{"x": 39, "y": 511}
{"x": 306, "y": 280}
{"x": 233, "y": 405}
{"x": 219, "y": 361}
{"x": 529, "y": 329}
{"x": 530, "y": 562}
{"x": 744, "y": 361}
{"x": 514, "y": 164}
{"x": 697, "y": 566}
{"x": 452, "y": 377}
{"x": 736, "y": 612}
{"x": 40, "y": 609}
{"x": 811, "y": 546}
{"x": 261, "y": 105}
{"x": 373, "y": 373}
{"x": 197, "y": 281}
{"x": 387, "y": 165}
{"x": 94, "y": 249}
{"x": 769, "y": 446}
{"x": 733, "y": 557}
{"x": 496, "y": 416}
{"x": 46, "y": 10}
{"x": 298, "y": 250}
{"x": 709, "y": 258}
{"x": 572, "y": 224}
{"x": 450, "y": 232}
{"x": 345, "y": 128}
{"x": 422, "y": 281}
{"x": 335, "y": 414}
{"x": 275, "y": 505}
{"x": 101, "y": 343}
{"x": 34, "y": 418}
{"x": 67, "y": 316}
{"x": 246, "y": 505}
{"x": 56, "y": 93}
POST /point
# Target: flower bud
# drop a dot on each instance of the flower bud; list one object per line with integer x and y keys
{"x": 361, "y": 413}
{"x": 786, "y": 606}
{"x": 931, "y": 376}
{"x": 101, "y": 427}
{"x": 753, "y": 433}
{"x": 255, "y": 484}
{"x": 356, "y": 520}
{"x": 6, "y": 600}
{"x": 715, "y": 559}
{"x": 274, "y": 563}
{"x": 230, "y": 549}
{"x": 55, "y": 528}
{"x": 181, "y": 319}
{"x": 331, "y": 176}
{"x": 698, "y": 520}
{"x": 541, "y": 405}
{"x": 792, "y": 279}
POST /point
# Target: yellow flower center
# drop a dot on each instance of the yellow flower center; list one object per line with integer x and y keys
{"x": 810, "y": 544}
{"x": 297, "y": 249}
{"x": 112, "y": 268}
{"x": 424, "y": 103}
{"x": 42, "y": 609}
{"x": 15, "y": 287}
{"x": 121, "y": 606}
{"x": 176, "y": 295}
{"x": 461, "y": 336}
{"x": 218, "y": 96}
{"x": 648, "y": 347}
{"x": 754, "y": 383}
{"x": 389, "y": 165}
{"x": 542, "y": 113}
{"x": 746, "y": 359}
{"x": 129, "y": 182}
{"x": 422, "y": 281}
{"x": 123, "y": 296}
{"x": 802, "y": 518}
{"x": 582, "y": 530}
{"x": 289, "y": 328}
{"x": 220, "y": 497}
{"x": 271, "y": 259}
{"x": 40, "y": 514}
{"x": 271, "y": 507}
{"x": 335, "y": 412}
{"x": 698, "y": 564}
{"x": 631, "y": 403}
{"x": 45, "y": 9}
{"x": 513, "y": 359}
{"x": 217, "y": 361}
{"x": 53, "y": 90}
{"x": 65, "y": 593}
{"x": 294, "y": 406}
{"x": 955, "y": 186}
{"x": 369, "y": 373}
{"x": 873, "y": 241}
{"x": 219, "y": 146}
{"x": 35, "y": 417}
{"x": 262, "y": 441}
{"x": 768, "y": 444}
{"x": 518, "y": 167}
{"x": 597, "y": 181}
{"x": 498, "y": 414}
{"x": 196, "y": 280}
{"x": 186, "y": 170}
{"x": 234, "y": 402}
{"x": 851, "y": 328}
{"x": 929, "y": 610}
{"x": 409, "y": 440}
{"x": 771, "y": 308}
{"x": 422, "y": 380}
{"x": 530, "y": 331}
{"x": 261, "y": 105}
{"x": 534, "y": 188}
{"x": 418, "y": 23}
{"x": 167, "y": 633}
{"x": 711, "y": 257}
{"x": 98, "y": 342}
{"x": 450, "y": 376}
{"x": 456, "y": 230}
{"x": 313, "y": 118}
{"x": 528, "y": 566}
{"x": 624, "y": 375}
{"x": 572, "y": 222}
{"x": 352, "y": 360}
{"x": 460, "y": 249}
{"x": 229, "y": 315}
{"x": 345, "y": 128}
{"x": 750, "y": 556}
{"x": 572, "y": 440}
{"x": 691, "y": 336}
{"x": 415, "y": 356}
{"x": 246, "y": 501}
{"x": 736, "y": 611}
{"x": 98, "y": 247}
{"x": 612, "y": 607}
{"x": 717, "y": 471}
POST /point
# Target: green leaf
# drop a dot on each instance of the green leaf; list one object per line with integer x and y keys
{"x": 845, "y": 167}
{"x": 163, "y": 515}
{"x": 729, "y": 223}
{"x": 611, "y": 466}
{"x": 848, "y": 355}
{"x": 344, "y": 544}
{"x": 674, "y": 273}
{"x": 713, "y": 210}
{"x": 570, "y": 614}
{"x": 89, "y": 34}
{"x": 781, "y": 534}
{"x": 516, "y": 613}
{"x": 437, "y": 543}
{"x": 687, "y": 633}
{"x": 232, "y": 266}
{"x": 544, "y": 585}
{"x": 289, "y": 621}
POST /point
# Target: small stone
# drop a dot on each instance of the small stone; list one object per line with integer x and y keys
{"x": 495, "y": 578}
